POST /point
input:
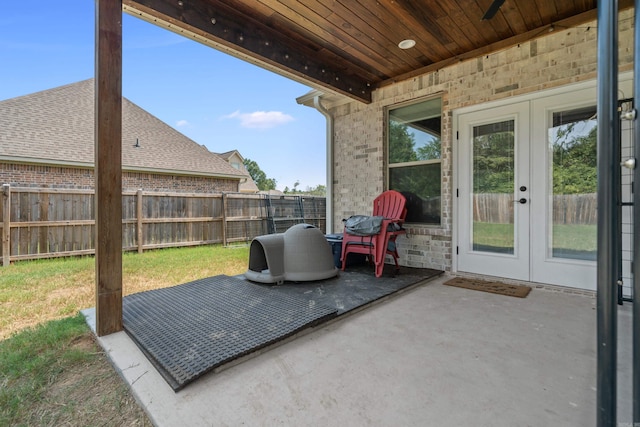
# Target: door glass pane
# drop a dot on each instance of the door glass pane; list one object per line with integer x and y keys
{"x": 573, "y": 179}
{"x": 493, "y": 184}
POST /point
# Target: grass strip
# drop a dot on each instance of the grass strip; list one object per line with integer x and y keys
{"x": 52, "y": 372}
{"x": 33, "y": 292}
{"x": 32, "y": 359}
{"x": 55, "y": 374}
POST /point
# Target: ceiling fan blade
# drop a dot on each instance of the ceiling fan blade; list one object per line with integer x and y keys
{"x": 493, "y": 9}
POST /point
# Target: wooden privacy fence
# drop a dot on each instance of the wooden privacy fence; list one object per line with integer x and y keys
{"x": 567, "y": 208}
{"x": 50, "y": 222}
{"x": 575, "y": 209}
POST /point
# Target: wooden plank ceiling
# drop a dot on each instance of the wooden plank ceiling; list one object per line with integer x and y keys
{"x": 351, "y": 46}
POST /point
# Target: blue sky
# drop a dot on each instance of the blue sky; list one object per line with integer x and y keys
{"x": 211, "y": 97}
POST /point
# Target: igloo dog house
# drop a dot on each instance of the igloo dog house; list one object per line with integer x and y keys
{"x": 300, "y": 254}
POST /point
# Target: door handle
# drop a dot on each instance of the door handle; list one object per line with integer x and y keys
{"x": 521, "y": 201}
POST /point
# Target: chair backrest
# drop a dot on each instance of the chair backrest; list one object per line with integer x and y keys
{"x": 390, "y": 204}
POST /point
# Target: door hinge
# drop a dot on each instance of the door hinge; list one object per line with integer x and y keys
{"x": 457, "y": 192}
{"x": 457, "y": 134}
{"x": 457, "y": 250}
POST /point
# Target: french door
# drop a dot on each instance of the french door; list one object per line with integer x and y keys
{"x": 564, "y": 216}
{"x": 527, "y": 190}
{"x": 493, "y": 192}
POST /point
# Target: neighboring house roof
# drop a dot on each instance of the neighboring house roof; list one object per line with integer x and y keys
{"x": 248, "y": 186}
{"x": 230, "y": 154}
{"x": 56, "y": 126}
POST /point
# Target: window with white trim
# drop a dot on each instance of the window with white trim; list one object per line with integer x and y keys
{"x": 414, "y": 145}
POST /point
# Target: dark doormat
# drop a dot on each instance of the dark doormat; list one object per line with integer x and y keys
{"x": 189, "y": 330}
{"x": 492, "y": 287}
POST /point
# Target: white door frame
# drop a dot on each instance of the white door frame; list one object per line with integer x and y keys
{"x": 514, "y": 265}
{"x": 625, "y": 86}
{"x": 544, "y": 267}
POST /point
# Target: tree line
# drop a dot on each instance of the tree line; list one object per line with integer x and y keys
{"x": 573, "y": 157}
{"x": 265, "y": 184}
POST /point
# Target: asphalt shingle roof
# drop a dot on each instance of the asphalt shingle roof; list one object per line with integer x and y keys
{"x": 57, "y": 125}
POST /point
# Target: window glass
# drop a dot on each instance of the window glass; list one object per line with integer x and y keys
{"x": 414, "y": 158}
{"x": 493, "y": 159}
{"x": 573, "y": 176}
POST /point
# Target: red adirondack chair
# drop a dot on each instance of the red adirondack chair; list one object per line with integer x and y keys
{"x": 391, "y": 206}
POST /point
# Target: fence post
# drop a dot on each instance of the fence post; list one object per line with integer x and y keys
{"x": 6, "y": 224}
{"x": 224, "y": 219}
{"x": 139, "y": 219}
{"x": 43, "y": 235}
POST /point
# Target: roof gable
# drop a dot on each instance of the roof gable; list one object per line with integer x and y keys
{"x": 57, "y": 126}
{"x": 229, "y": 154}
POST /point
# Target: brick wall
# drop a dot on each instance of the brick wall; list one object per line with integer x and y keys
{"x": 26, "y": 175}
{"x": 563, "y": 57}
{"x": 158, "y": 182}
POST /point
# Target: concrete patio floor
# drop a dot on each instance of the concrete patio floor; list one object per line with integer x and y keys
{"x": 433, "y": 355}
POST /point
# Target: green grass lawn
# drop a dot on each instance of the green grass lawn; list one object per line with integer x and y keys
{"x": 566, "y": 238}
{"x": 55, "y": 374}
{"x": 492, "y": 235}
{"x": 51, "y": 370}
{"x": 576, "y": 237}
{"x": 32, "y": 292}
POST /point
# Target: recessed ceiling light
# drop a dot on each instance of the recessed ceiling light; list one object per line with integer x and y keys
{"x": 407, "y": 44}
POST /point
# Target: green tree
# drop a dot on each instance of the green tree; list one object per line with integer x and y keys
{"x": 293, "y": 190}
{"x": 493, "y": 158}
{"x": 401, "y": 144}
{"x": 420, "y": 183}
{"x": 430, "y": 151}
{"x": 575, "y": 161}
{"x": 258, "y": 176}
{"x": 319, "y": 190}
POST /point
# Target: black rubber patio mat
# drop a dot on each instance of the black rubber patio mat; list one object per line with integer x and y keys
{"x": 190, "y": 329}
{"x": 356, "y": 286}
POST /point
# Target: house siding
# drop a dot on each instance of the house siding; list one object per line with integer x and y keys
{"x": 28, "y": 175}
{"x": 563, "y": 57}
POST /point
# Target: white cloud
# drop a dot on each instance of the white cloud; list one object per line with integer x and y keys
{"x": 181, "y": 123}
{"x": 260, "y": 119}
